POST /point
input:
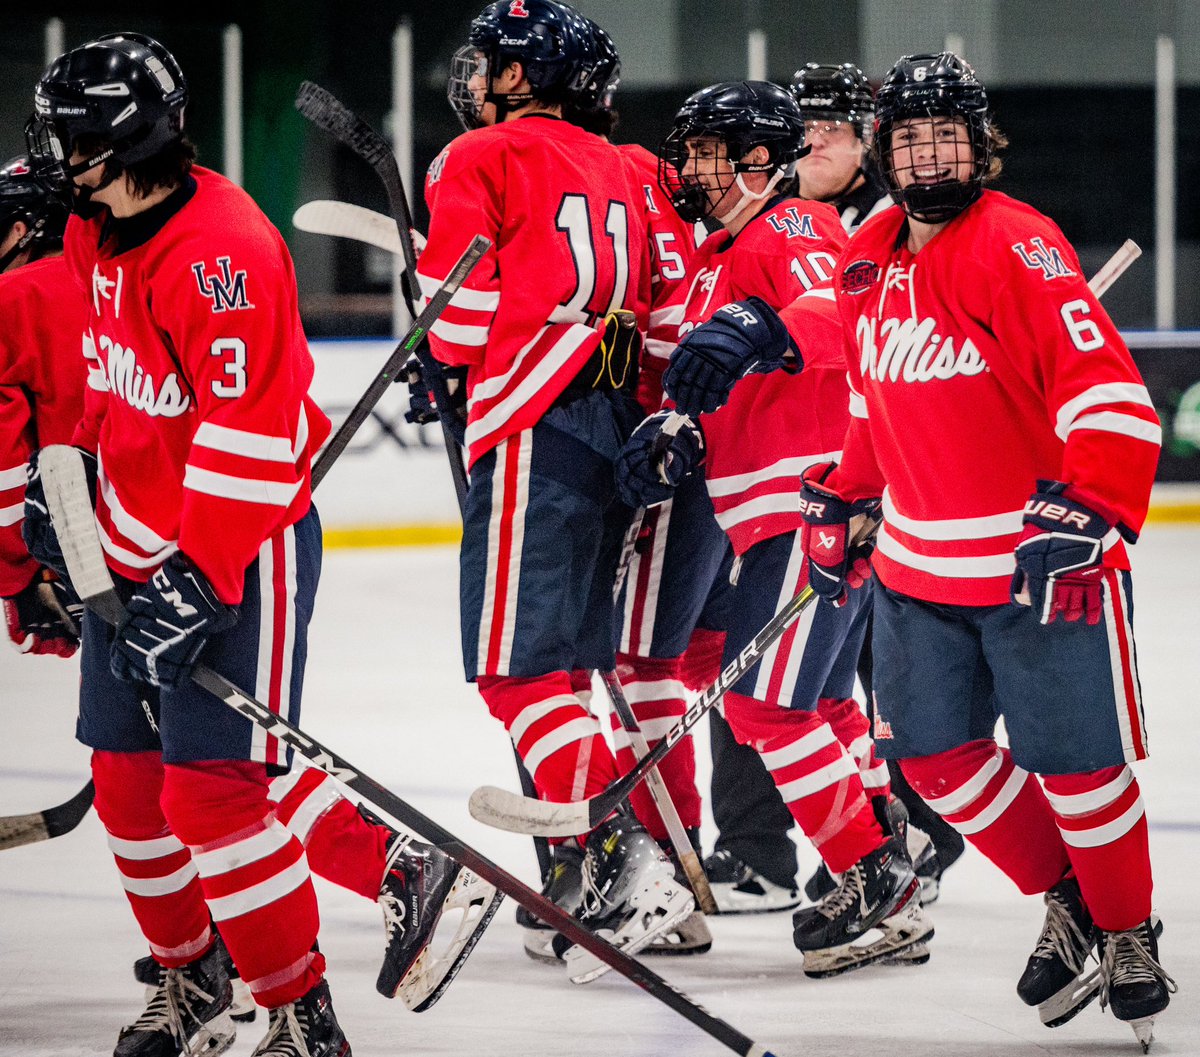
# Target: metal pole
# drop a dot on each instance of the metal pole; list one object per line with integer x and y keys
{"x": 55, "y": 39}
{"x": 232, "y": 102}
{"x": 402, "y": 138}
{"x": 756, "y": 55}
{"x": 1164, "y": 184}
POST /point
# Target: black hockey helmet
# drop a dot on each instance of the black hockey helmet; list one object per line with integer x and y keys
{"x": 551, "y": 41}
{"x": 743, "y": 115}
{"x": 827, "y": 92}
{"x": 601, "y": 87}
{"x": 123, "y": 95}
{"x": 930, "y": 86}
{"x": 24, "y": 199}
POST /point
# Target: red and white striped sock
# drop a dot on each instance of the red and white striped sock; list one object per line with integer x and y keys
{"x": 853, "y": 730}
{"x": 155, "y": 867}
{"x": 656, "y": 694}
{"x": 559, "y": 740}
{"x": 998, "y": 807}
{"x": 1103, "y": 822}
{"x": 253, "y": 872}
{"x": 817, "y": 778}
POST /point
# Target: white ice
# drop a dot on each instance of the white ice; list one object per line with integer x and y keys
{"x": 384, "y": 690}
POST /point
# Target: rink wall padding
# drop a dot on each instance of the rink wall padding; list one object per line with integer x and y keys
{"x": 392, "y": 486}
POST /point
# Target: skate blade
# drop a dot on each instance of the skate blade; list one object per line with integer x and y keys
{"x": 731, "y": 901}
{"x": 583, "y": 967}
{"x": 430, "y": 974}
{"x": 1071, "y": 1000}
{"x": 691, "y": 936}
{"x": 214, "y": 1036}
{"x": 539, "y": 945}
{"x": 895, "y": 935}
{"x": 917, "y": 954}
{"x": 1143, "y": 1028}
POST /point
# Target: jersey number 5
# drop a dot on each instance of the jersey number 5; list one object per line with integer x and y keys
{"x": 573, "y": 219}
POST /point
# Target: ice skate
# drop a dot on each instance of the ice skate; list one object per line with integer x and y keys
{"x": 1057, "y": 979}
{"x": 307, "y": 1027}
{"x": 1133, "y": 984}
{"x": 563, "y": 886}
{"x": 873, "y": 915}
{"x": 739, "y": 889}
{"x": 188, "y": 1011}
{"x": 630, "y": 895}
{"x": 149, "y": 972}
{"x": 421, "y": 886}
{"x": 691, "y": 936}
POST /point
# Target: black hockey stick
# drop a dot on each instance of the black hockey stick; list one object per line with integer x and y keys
{"x": 16, "y": 830}
{"x": 75, "y": 526}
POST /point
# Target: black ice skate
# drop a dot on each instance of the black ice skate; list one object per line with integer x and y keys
{"x": 563, "y": 886}
{"x": 307, "y": 1027}
{"x": 739, "y": 889}
{"x": 630, "y": 895}
{"x": 148, "y": 972}
{"x": 1057, "y": 978}
{"x": 873, "y": 915}
{"x": 1132, "y": 982}
{"x": 420, "y": 886}
{"x": 692, "y": 935}
{"x": 187, "y": 1012}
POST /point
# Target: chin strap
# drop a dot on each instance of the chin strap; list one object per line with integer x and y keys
{"x": 749, "y": 196}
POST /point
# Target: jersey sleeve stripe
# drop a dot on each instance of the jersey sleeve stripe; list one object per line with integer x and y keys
{"x": 10, "y": 515}
{"x": 658, "y": 349}
{"x": 460, "y": 334}
{"x": 13, "y": 478}
{"x": 133, "y": 559}
{"x": 477, "y": 300}
{"x": 244, "y": 489}
{"x": 671, "y": 315}
{"x": 792, "y": 466}
{"x": 825, "y": 293}
{"x": 301, "y": 434}
{"x": 970, "y": 528}
{"x": 983, "y": 565}
{"x": 1097, "y": 396}
{"x": 1115, "y": 422}
{"x": 259, "y": 446}
{"x": 125, "y": 523}
{"x": 858, "y": 405}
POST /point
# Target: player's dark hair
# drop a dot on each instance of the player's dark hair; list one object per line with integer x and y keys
{"x": 168, "y": 168}
{"x": 598, "y": 122}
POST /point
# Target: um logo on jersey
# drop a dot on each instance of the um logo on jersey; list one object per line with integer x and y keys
{"x": 791, "y": 224}
{"x": 227, "y": 290}
{"x": 1046, "y": 259}
{"x": 912, "y": 351}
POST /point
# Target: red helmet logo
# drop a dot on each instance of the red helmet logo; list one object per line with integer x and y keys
{"x": 517, "y": 9}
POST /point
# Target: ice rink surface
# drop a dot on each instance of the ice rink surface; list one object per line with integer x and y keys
{"x": 384, "y": 690}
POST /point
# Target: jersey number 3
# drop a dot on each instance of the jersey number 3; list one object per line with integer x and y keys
{"x": 573, "y": 219}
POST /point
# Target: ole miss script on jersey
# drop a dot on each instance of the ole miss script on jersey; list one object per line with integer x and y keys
{"x": 564, "y": 211}
{"x": 197, "y": 403}
{"x": 978, "y": 366}
{"x": 774, "y": 424}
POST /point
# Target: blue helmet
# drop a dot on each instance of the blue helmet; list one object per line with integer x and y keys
{"x": 553, "y": 43}
{"x": 932, "y": 86}
{"x": 24, "y": 199}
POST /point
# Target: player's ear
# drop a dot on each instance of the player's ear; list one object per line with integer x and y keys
{"x": 511, "y": 77}
{"x": 758, "y": 156}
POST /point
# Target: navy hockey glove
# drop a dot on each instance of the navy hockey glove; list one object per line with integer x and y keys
{"x": 653, "y": 462}
{"x": 1060, "y": 555}
{"x": 37, "y": 531}
{"x": 44, "y": 617}
{"x": 169, "y": 620}
{"x": 836, "y": 561}
{"x": 745, "y": 337}
{"x": 422, "y": 403}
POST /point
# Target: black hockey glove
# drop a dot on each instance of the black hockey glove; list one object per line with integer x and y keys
{"x": 745, "y": 337}
{"x": 837, "y": 563}
{"x": 44, "y": 617}
{"x": 652, "y": 463}
{"x": 169, "y": 620}
{"x": 37, "y": 530}
{"x": 613, "y": 367}
{"x": 422, "y": 402}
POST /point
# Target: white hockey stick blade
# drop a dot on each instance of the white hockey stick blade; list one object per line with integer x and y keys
{"x": 347, "y": 221}
{"x": 506, "y": 810}
{"x": 65, "y": 482}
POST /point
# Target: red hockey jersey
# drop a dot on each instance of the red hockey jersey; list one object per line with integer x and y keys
{"x": 197, "y": 403}
{"x": 42, "y": 377}
{"x": 564, "y": 211}
{"x": 774, "y": 424}
{"x": 978, "y": 366}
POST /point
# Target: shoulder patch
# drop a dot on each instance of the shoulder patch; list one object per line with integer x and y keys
{"x": 859, "y": 277}
{"x": 225, "y": 288}
{"x": 1040, "y": 257}
{"x": 791, "y": 224}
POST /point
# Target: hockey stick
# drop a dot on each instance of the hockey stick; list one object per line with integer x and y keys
{"x": 75, "y": 526}
{"x": 343, "y": 220}
{"x": 16, "y": 830}
{"x": 507, "y": 810}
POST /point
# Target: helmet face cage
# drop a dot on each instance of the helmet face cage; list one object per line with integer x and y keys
{"x": 918, "y": 97}
{"x": 468, "y": 67}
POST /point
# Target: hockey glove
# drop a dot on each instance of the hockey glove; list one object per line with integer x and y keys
{"x": 169, "y": 620}
{"x": 37, "y": 530}
{"x": 653, "y": 462}
{"x": 613, "y": 367}
{"x": 745, "y": 337}
{"x": 838, "y": 556}
{"x": 1060, "y": 555}
{"x": 44, "y": 617}
{"x": 422, "y": 402}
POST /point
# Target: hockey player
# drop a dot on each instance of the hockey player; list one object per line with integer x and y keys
{"x": 41, "y": 398}
{"x": 998, "y": 414}
{"x": 201, "y": 465}
{"x": 548, "y": 400}
{"x": 731, "y": 146}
